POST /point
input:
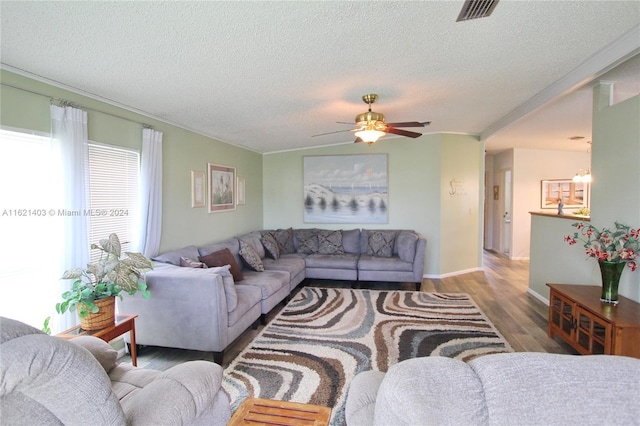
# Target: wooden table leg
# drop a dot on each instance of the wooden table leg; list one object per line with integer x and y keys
{"x": 133, "y": 349}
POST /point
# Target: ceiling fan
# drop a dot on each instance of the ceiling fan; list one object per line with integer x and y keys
{"x": 371, "y": 125}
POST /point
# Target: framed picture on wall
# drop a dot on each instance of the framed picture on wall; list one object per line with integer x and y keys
{"x": 346, "y": 188}
{"x": 222, "y": 194}
{"x": 198, "y": 189}
{"x": 573, "y": 194}
{"x": 240, "y": 189}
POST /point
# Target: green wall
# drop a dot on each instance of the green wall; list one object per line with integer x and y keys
{"x": 615, "y": 196}
{"x": 183, "y": 151}
{"x": 420, "y": 171}
{"x": 461, "y": 203}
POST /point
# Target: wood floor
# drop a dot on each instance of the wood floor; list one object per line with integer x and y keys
{"x": 500, "y": 291}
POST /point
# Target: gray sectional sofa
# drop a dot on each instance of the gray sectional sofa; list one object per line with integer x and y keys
{"x": 203, "y": 298}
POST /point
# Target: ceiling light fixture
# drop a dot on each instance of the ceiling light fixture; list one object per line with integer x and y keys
{"x": 583, "y": 176}
{"x": 369, "y": 134}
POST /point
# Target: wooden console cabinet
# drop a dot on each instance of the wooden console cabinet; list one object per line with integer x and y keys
{"x": 577, "y": 316}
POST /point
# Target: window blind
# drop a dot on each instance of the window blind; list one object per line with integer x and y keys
{"x": 114, "y": 179}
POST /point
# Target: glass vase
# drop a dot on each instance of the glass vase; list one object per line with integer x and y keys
{"x": 610, "y": 272}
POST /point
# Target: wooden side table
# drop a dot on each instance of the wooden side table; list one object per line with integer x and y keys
{"x": 591, "y": 327}
{"x": 257, "y": 411}
{"x": 123, "y": 324}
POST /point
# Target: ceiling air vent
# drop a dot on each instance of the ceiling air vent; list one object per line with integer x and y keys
{"x": 473, "y": 9}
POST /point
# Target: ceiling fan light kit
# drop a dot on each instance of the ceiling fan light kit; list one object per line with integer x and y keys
{"x": 369, "y": 136}
{"x": 372, "y": 126}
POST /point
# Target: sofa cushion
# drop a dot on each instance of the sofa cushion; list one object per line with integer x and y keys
{"x": 332, "y": 261}
{"x": 250, "y": 257}
{"x": 380, "y": 243}
{"x": 221, "y": 258}
{"x": 248, "y": 297}
{"x": 190, "y": 263}
{"x": 406, "y": 245}
{"x": 330, "y": 242}
{"x": 270, "y": 245}
{"x": 292, "y": 263}
{"x": 307, "y": 241}
{"x": 351, "y": 241}
{"x": 284, "y": 238}
{"x": 378, "y": 263}
{"x": 173, "y": 257}
{"x": 269, "y": 282}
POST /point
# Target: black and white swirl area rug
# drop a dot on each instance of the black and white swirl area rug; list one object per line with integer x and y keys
{"x": 314, "y": 347}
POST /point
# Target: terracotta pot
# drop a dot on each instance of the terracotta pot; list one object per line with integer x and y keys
{"x": 105, "y": 317}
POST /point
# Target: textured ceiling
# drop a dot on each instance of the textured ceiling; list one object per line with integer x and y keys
{"x": 269, "y": 75}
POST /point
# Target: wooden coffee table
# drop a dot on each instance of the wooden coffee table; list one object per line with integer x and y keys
{"x": 123, "y": 324}
{"x": 257, "y": 411}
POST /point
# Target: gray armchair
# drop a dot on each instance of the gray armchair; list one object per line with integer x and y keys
{"x": 47, "y": 380}
{"x": 523, "y": 388}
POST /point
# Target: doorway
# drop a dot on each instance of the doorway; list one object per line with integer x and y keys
{"x": 505, "y": 212}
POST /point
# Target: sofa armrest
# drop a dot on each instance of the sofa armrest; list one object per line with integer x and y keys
{"x": 361, "y": 399}
{"x": 431, "y": 390}
{"x": 49, "y": 380}
{"x": 187, "y": 309}
{"x": 418, "y": 261}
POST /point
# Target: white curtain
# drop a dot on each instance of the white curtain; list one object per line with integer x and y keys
{"x": 69, "y": 138}
{"x": 150, "y": 193}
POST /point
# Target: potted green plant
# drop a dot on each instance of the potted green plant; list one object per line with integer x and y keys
{"x": 96, "y": 286}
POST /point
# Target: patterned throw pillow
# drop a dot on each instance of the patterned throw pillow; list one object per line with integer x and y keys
{"x": 380, "y": 243}
{"x": 330, "y": 242}
{"x": 284, "y": 238}
{"x": 307, "y": 241}
{"x": 221, "y": 258}
{"x": 270, "y": 245}
{"x": 190, "y": 263}
{"x": 250, "y": 257}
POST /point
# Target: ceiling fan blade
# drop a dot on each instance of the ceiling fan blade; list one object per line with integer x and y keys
{"x": 330, "y": 133}
{"x": 358, "y": 140}
{"x": 344, "y": 122}
{"x": 403, "y": 132}
{"x": 407, "y": 124}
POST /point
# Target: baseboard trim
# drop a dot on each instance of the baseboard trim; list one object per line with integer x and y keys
{"x": 538, "y": 296}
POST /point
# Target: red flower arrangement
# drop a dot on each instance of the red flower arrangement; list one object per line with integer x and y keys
{"x": 621, "y": 245}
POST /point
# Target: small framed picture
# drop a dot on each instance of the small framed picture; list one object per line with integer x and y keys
{"x": 222, "y": 180}
{"x": 198, "y": 189}
{"x": 572, "y": 194}
{"x": 240, "y": 190}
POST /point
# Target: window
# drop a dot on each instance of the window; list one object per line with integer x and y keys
{"x": 114, "y": 176}
{"x": 31, "y": 212}
{"x": 30, "y": 197}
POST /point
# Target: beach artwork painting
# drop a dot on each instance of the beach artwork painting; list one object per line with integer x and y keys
{"x": 346, "y": 189}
